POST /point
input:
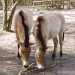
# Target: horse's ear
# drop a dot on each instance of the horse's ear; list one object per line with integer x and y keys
{"x": 40, "y": 18}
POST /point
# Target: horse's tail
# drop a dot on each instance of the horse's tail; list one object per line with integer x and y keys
{"x": 26, "y": 28}
{"x": 40, "y": 19}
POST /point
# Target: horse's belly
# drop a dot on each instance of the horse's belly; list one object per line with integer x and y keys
{"x": 51, "y": 31}
{"x": 51, "y": 26}
{"x": 52, "y": 35}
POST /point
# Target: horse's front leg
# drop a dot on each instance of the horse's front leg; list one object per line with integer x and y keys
{"x": 18, "y": 55}
{"x": 55, "y": 41}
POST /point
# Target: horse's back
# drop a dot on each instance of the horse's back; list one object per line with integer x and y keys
{"x": 54, "y": 23}
{"x": 28, "y": 15}
{"x": 17, "y": 22}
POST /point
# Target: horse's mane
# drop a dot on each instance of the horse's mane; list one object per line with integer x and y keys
{"x": 26, "y": 29}
{"x": 39, "y": 32}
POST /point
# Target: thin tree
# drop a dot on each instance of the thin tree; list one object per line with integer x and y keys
{"x": 4, "y": 4}
{"x": 7, "y": 22}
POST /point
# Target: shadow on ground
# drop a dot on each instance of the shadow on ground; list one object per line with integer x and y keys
{"x": 11, "y": 65}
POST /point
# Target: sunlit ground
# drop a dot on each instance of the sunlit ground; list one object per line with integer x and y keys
{"x": 10, "y": 64}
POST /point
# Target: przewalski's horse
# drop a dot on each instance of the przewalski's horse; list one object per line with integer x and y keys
{"x": 48, "y": 26}
{"x": 23, "y": 22}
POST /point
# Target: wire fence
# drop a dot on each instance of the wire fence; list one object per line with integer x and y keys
{"x": 51, "y": 4}
{"x": 58, "y": 4}
{"x": 45, "y": 4}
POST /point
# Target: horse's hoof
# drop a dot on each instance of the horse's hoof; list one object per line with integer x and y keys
{"x": 61, "y": 54}
{"x": 53, "y": 56}
{"x": 18, "y": 55}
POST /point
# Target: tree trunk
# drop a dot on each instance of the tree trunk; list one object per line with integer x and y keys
{"x": 9, "y": 21}
{"x": 5, "y": 26}
{"x": 4, "y": 4}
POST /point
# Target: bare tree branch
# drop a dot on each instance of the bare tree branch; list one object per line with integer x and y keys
{"x": 9, "y": 21}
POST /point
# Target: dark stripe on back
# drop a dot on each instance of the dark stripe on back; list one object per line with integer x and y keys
{"x": 26, "y": 29}
{"x": 39, "y": 32}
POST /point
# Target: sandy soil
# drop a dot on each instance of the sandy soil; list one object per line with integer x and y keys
{"x": 10, "y": 64}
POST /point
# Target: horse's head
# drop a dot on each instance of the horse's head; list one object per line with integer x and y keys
{"x": 22, "y": 34}
{"x": 39, "y": 55}
{"x": 24, "y": 54}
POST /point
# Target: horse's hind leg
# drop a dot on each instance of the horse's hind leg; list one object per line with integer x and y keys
{"x": 55, "y": 41}
{"x": 61, "y": 38}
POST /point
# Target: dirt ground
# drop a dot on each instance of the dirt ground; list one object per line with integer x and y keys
{"x": 10, "y": 64}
